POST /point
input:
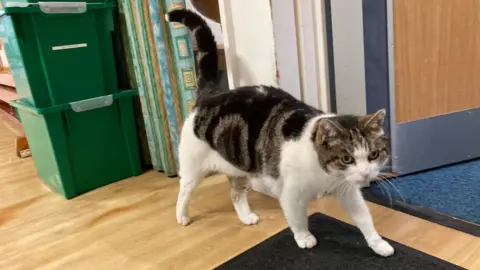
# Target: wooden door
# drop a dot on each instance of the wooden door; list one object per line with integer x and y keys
{"x": 437, "y": 82}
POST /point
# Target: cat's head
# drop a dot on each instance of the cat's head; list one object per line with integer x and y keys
{"x": 353, "y": 148}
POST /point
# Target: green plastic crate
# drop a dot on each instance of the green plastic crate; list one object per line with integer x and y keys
{"x": 83, "y": 145}
{"x": 60, "y": 52}
{"x": 7, "y": 3}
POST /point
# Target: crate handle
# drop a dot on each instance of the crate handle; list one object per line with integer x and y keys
{"x": 92, "y": 103}
{"x": 63, "y": 7}
{"x": 17, "y": 4}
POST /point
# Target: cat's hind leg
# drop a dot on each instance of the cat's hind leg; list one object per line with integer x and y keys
{"x": 239, "y": 187}
{"x": 188, "y": 183}
{"x": 192, "y": 153}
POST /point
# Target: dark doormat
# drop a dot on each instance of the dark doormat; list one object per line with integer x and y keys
{"x": 423, "y": 212}
{"x": 340, "y": 246}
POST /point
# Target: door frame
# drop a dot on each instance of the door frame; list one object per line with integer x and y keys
{"x": 363, "y": 59}
{"x": 290, "y": 31}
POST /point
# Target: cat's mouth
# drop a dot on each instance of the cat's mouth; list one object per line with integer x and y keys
{"x": 362, "y": 181}
{"x": 365, "y": 183}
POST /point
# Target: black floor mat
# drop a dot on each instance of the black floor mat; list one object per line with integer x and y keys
{"x": 340, "y": 246}
{"x": 424, "y": 213}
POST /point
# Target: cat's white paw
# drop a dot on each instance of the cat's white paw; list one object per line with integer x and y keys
{"x": 250, "y": 219}
{"x": 306, "y": 241}
{"x": 382, "y": 247}
{"x": 183, "y": 220}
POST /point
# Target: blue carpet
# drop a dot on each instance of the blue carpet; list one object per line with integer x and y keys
{"x": 452, "y": 190}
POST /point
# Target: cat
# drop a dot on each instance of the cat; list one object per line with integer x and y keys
{"x": 262, "y": 133}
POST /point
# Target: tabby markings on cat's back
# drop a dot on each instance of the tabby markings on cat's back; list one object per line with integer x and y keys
{"x": 247, "y": 126}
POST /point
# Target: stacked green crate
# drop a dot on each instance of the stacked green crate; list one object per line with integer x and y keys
{"x": 80, "y": 126}
{"x": 67, "y": 53}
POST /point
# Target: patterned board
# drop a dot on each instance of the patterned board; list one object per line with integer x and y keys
{"x": 184, "y": 62}
{"x": 163, "y": 71}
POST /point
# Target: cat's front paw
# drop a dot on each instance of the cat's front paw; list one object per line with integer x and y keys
{"x": 306, "y": 240}
{"x": 381, "y": 247}
{"x": 250, "y": 219}
{"x": 183, "y": 220}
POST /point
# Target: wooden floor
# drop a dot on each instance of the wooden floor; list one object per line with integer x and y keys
{"x": 131, "y": 224}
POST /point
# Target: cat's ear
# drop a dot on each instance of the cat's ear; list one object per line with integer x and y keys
{"x": 327, "y": 131}
{"x": 374, "y": 122}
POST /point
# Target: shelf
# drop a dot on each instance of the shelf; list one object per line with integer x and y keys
{"x": 208, "y": 8}
{"x": 7, "y": 79}
{"x": 7, "y": 93}
{"x": 10, "y": 120}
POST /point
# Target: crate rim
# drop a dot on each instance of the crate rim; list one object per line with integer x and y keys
{"x": 23, "y": 105}
{"x": 36, "y": 7}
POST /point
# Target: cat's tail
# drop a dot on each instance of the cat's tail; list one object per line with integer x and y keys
{"x": 208, "y": 61}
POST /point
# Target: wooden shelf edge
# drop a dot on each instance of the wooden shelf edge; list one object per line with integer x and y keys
{"x": 8, "y": 93}
{"x": 12, "y": 123}
{"x": 7, "y": 79}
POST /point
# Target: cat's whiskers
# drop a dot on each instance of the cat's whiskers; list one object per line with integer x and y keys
{"x": 390, "y": 183}
{"x": 344, "y": 186}
{"x": 385, "y": 189}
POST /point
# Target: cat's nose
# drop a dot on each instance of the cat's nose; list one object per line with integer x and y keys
{"x": 364, "y": 173}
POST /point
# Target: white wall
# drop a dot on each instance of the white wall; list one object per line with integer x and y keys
{"x": 280, "y": 43}
{"x": 249, "y": 42}
{"x": 285, "y": 34}
{"x": 347, "y": 29}
{"x": 300, "y": 48}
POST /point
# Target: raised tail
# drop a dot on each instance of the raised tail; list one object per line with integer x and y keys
{"x": 208, "y": 61}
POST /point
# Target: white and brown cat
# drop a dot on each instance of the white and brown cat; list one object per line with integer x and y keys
{"x": 264, "y": 134}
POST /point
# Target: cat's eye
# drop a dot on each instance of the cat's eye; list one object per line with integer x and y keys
{"x": 373, "y": 155}
{"x": 347, "y": 159}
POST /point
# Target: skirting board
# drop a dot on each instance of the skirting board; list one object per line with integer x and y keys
{"x": 436, "y": 141}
